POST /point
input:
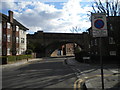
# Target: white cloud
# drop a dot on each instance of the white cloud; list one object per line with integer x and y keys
{"x": 40, "y": 16}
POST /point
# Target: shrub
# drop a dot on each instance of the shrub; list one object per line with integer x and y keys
{"x": 11, "y": 58}
{"x": 28, "y": 51}
{"x": 79, "y": 56}
{"x": 20, "y": 57}
{"x": 7, "y": 59}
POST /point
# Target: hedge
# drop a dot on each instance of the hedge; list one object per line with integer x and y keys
{"x": 7, "y": 59}
{"x": 79, "y": 56}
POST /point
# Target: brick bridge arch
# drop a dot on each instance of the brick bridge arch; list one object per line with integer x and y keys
{"x": 52, "y": 41}
{"x": 56, "y": 45}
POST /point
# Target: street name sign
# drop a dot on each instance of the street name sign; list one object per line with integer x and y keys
{"x": 99, "y": 25}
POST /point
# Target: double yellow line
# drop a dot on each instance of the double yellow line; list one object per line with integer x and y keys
{"x": 79, "y": 82}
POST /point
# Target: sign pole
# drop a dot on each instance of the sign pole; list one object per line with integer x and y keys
{"x": 99, "y": 29}
{"x": 101, "y": 64}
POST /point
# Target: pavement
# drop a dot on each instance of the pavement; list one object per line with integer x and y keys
{"x": 91, "y": 75}
{"x": 21, "y": 62}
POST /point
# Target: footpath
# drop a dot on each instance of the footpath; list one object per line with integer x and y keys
{"x": 91, "y": 75}
{"x": 21, "y": 62}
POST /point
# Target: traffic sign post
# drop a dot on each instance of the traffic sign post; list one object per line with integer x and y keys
{"x": 99, "y": 29}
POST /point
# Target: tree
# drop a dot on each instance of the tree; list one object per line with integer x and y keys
{"x": 28, "y": 51}
{"x": 110, "y": 7}
{"x": 75, "y": 29}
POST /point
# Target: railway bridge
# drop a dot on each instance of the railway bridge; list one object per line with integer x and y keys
{"x": 46, "y": 43}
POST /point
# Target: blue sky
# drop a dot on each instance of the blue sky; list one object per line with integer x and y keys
{"x": 52, "y": 16}
{"x": 58, "y": 5}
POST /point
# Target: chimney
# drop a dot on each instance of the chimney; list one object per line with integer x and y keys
{"x": 10, "y": 16}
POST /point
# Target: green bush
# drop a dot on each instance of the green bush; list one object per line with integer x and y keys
{"x": 6, "y": 59}
{"x": 29, "y": 56}
{"x": 79, "y": 56}
{"x": 20, "y": 57}
{"x": 11, "y": 58}
{"x": 28, "y": 51}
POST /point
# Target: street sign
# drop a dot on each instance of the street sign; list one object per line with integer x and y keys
{"x": 99, "y": 29}
{"x": 99, "y": 25}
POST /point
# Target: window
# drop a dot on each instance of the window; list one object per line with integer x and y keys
{"x": 111, "y": 28}
{"x": 95, "y": 41}
{"x": 8, "y": 38}
{"x": 22, "y": 40}
{"x": 22, "y": 31}
{"x": 17, "y": 50}
{"x": 91, "y": 43}
{"x": 8, "y": 25}
{"x": 111, "y": 40}
{"x": 4, "y": 37}
{"x": 4, "y": 25}
{"x": 17, "y": 28}
{"x": 8, "y": 51}
{"x": 17, "y": 40}
{"x": 4, "y": 51}
{"x": 113, "y": 53}
{"x": 22, "y": 50}
{"x": 96, "y": 53}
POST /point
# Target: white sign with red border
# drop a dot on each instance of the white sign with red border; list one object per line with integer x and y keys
{"x": 99, "y": 25}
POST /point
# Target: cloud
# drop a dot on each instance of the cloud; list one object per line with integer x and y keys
{"x": 40, "y": 16}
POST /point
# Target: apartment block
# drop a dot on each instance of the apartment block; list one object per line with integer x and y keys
{"x": 13, "y": 35}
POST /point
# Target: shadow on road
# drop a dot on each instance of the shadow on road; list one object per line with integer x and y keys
{"x": 38, "y": 75}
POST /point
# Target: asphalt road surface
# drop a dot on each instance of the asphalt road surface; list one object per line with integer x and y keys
{"x": 46, "y": 73}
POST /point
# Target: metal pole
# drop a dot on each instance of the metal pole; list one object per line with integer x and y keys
{"x": 101, "y": 63}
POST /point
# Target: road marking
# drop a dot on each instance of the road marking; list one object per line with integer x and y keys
{"x": 87, "y": 71}
{"x": 79, "y": 82}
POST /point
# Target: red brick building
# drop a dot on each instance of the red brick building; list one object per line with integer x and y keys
{"x": 110, "y": 45}
{"x": 11, "y": 39}
{"x": 67, "y": 50}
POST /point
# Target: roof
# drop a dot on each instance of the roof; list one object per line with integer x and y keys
{"x": 15, "y": 22}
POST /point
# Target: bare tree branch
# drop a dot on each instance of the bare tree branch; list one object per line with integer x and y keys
{"x": 75, "y": 29}
{"x": 94, "y": 9}
{"x": 109, "y": 7}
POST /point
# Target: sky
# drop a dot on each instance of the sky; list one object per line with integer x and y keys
{"x": 58, "y": 16}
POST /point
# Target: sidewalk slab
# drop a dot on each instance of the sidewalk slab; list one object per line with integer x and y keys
{"x": 92, "y": 75}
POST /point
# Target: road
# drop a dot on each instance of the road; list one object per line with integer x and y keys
{"x": 56, "y": 74}
{"x": 46, "y": 73}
